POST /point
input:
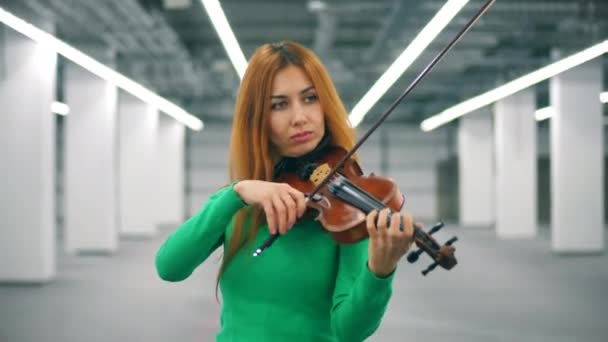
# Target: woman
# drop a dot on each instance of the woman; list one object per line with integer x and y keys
{"x": 306, "y": 287}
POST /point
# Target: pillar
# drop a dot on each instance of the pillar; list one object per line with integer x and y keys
{"x": 475, "y": 169}
{"x": 515, "y": 130}
{"x": 138, "y": 134}
{"x": 90, "y": 178}
{"x": 27, "y": 158}
{"x": 577, "y": 167}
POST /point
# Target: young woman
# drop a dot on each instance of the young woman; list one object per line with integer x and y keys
{"x": 306, "y": 287}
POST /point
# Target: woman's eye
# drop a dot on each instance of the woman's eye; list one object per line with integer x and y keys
{"x": 278, "y": 105}
{"x": 310, "y": 98}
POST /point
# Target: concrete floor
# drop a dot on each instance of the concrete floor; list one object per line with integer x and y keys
{"x": 513, "y": 290}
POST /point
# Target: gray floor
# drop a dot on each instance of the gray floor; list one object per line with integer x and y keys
{"x": 500, "y": 291}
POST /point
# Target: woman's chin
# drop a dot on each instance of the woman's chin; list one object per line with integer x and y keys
{"x": 301, "y": 149}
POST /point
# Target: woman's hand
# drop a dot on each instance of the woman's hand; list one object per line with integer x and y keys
{"x": 281, "y": 203}
{"x": 387, "y": 244}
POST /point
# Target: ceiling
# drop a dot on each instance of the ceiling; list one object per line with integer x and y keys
{"x": 171, "y": 46}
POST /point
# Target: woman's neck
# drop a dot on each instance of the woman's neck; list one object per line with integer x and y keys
{"x": 293, "y": 164}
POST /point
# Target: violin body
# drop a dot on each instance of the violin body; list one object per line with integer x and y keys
{"x": 345, "y": 222}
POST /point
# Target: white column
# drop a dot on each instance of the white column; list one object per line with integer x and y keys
{"x": 170, "y": 166}
{"x": 515, "y": 130}
{"x": 27, "y": 159}
{"x": 138, "y": 130}
{"x": 91, "y": 203}
{"x": 577, "y": 166}
{"x": 475, "y": 169}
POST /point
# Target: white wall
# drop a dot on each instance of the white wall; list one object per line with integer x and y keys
{"x": 206, "y": 163}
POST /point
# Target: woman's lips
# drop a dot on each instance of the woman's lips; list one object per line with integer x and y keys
{"x": 301, "y": 137}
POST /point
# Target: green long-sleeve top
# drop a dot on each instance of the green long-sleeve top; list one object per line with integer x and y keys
{"x": 306, "y": 287}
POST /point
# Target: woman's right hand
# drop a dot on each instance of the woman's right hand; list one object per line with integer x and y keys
{"x": 281, "y": 203}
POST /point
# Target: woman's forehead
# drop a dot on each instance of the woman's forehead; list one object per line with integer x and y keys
{"x": 289, "y": 80}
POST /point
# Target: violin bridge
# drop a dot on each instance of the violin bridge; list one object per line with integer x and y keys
{"x": 319, "y": 174}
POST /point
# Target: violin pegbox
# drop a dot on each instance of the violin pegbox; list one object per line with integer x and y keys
{"x": 442, "y": 255}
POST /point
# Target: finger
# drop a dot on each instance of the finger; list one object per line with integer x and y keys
{"x": 371, "y": 224}
{"x": 382, "y": 220}
{"x": 408, "y": 230}
{"x": 395, "y": 227}
{"x": 416, "y": 225}
{"x": 281, "y": 213}
{"x": 290, "y": 206}
{"x": 300, "y": 200}
{"x": 270, "y": 217}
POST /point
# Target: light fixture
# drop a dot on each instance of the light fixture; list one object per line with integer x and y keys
{"x": 514, "y": 86}
{"x": 316, "y": 6}
{"x": 544, "y": 113}
{"x": 604, "y": 97}
{"x": 407, "y": 57}
{"x": 97, "y": 68}
{"x": 60, "y": 108}
{"x": 222, "y": 27}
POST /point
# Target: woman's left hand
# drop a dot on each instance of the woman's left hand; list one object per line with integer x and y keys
{"x": 387, "y": 244}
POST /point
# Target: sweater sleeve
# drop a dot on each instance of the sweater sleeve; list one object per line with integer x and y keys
{"x": 192, "y": 242}
{"x": 360, "y": 297}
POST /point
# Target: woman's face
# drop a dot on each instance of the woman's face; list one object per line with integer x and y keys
{"x": 296, "y": 118}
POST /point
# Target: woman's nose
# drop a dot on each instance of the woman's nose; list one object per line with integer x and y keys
{"x": 299, "y": 114}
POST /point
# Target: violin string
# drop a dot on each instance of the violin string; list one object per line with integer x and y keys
{"x": 352, "y": 195}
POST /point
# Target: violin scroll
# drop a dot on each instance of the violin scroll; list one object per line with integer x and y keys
{"x": 442, "y": 255}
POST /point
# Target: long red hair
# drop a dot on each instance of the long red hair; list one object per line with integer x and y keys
{"x": 251, "y": 153}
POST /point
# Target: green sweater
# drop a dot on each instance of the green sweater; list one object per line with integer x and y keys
{"x": 306, "y": 287}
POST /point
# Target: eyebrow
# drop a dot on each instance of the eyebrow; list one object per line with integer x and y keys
{"x": 284, "y": 96}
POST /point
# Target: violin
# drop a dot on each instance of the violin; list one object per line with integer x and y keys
{"x": 337, "y": 189}
{"x": 342, "y": 205}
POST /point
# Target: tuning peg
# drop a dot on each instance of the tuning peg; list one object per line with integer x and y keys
{"x": 436, "y": 228}
{"x": 430, "y": 268}
{"x": 412, "y": 257}
{"x": 451, "y": 241}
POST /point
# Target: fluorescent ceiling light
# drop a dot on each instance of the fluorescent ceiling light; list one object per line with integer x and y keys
{"x": 514, "y": 86}
{"x": 60, "y": 108}
{"x": 220, "y": 23}
{"x": 604, "y": 97}
{"x": 108, "y": 74}
{"x": 407, "y": 57}
{"x": 544, "y": 113}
